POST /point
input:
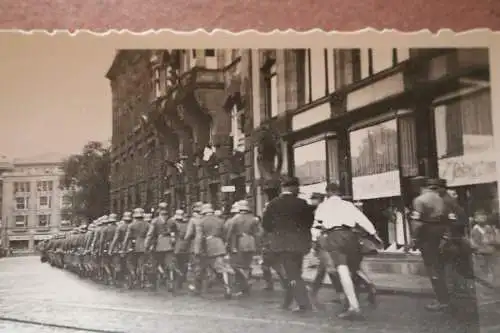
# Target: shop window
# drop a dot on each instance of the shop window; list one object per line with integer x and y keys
{"x": 310, "y": 167}
{"x": 464, "y": 140}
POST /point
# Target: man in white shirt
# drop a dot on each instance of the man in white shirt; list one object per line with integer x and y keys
{"x": 338, "y": 218}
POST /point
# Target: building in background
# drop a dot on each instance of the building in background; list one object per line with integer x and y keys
{"x": 5, "y": 165}
{"x": 32, "y": 202}
{"x": 181, "y": 122}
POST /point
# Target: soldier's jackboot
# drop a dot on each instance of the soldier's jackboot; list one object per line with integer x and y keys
{"x": 228, "y": 282}
{"x": 268, "y": 278}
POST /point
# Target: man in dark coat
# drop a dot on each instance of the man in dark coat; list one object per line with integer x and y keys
{"x": 116, "y": 246}
{"x": 288, "y": 220}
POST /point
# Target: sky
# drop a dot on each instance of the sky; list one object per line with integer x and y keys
{"x": 54, "y": 96}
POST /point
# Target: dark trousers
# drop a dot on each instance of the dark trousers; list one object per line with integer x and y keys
{"x": 435, "y": 265}
{"x": 135, "y": 263}
{"x": 295, "y": 285}
{"x": 270, "y": 261}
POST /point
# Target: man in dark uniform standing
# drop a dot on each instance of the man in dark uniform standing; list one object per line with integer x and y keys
{"x": 288, "y": 220}
{"x": 429, "y": 222}
{"x": 181, "y": 250}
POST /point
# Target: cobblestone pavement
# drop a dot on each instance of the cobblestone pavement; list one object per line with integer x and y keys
{"x": 38, "y": 293}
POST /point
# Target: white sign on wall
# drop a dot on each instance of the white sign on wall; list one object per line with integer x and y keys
{"x": 469, "y": 169}
{"x": 382, "y": 185}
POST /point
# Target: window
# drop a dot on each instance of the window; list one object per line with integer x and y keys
{"x": 21, "y": 187}
{"x": 374, "y": 161}
{"x": 310, "y": 166}
{"x": 271, "y": 89}
{"x": 66, "y": 201}
{"x": 43, "y": 220}
{"x": 44, "y": 202}
{"x": 464, "y": 140}
{"x": 211, "y": 59}
{"x": 21, "y": 221}
{"x": 318, "y": 73}
{"x": 44, "y": 186}
{"x": 347, "y": 64}
{"x": 156, "y": 82}
{"x": 22, "y": 203}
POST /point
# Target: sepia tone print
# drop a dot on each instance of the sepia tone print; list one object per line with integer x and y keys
{"x": 236, "y": 189}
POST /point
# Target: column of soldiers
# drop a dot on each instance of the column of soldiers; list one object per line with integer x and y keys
{"x": 139, "y": 251}
{"x": 145, "y": 252}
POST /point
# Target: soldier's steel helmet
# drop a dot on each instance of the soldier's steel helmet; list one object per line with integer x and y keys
{"x": 148, "y": 217}
{"x": 162, "y": 206}
{"x": 138, "y": 213}
{"x": 243, "y": 206}
{"x": 127, "y": 216}
{"x": 207, "y": 209}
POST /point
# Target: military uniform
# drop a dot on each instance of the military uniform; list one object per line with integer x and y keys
{"x": 107, "y": 234}
{"x": 211, "y": 238}
{"x": 181, "y": 249}
{"x": 241, "y": 238}
{"x": 430, "y": 223}
{"x": 193, "y": 237}
{"x": 160, "y": 240}
{"x": 96, "y": 247}
{"x": 115, "y": 246}
{"x": 134, "y": 244}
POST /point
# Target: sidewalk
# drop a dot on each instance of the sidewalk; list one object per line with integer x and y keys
{"x": 385, "y": 282}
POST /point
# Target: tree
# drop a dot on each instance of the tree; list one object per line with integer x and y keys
{"x": 87, "y": 179}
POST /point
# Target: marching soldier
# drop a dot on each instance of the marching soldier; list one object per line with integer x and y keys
{"x": 134, "y": 246}
{"x": 181, "y": 249}
{"x": 80, "y": 250}
{"x": 96, "y": 246}
{"x": 160, "y": 240}
{"x": 89, "y": 237}
{"x": 429, "y": 225}
{"x": 115, "y": 247}
{"x": 107, "y": 234}
{"x": 192, "y": 235}
{"x": 241, "y": 238}
{"x": 211, "y": 238}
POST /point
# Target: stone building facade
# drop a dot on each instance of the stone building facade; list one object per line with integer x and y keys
{"x": 180, "y": 122}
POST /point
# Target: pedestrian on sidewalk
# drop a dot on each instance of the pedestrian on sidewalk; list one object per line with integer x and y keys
{"x": 483, "y": 242}
{"x": 288, "y": 220}
{"x": 338, "y": 219}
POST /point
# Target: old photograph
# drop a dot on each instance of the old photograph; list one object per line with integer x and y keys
{"x": 194, "y": 189}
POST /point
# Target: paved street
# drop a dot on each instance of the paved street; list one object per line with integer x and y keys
{"x": 36, "y": 292}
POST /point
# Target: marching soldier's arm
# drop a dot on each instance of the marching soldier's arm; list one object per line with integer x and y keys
{"x": 151, "y": 235}
{"x": 126, "y": 238}
{"x": 102, "y": 240}
{"x": 189, "y": 230}
{"x": 114, "y": 240}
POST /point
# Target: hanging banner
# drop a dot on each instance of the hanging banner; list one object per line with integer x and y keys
{"x": 469, "y": 169}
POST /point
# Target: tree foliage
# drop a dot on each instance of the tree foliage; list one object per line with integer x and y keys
{"x": 87, "y": 177}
